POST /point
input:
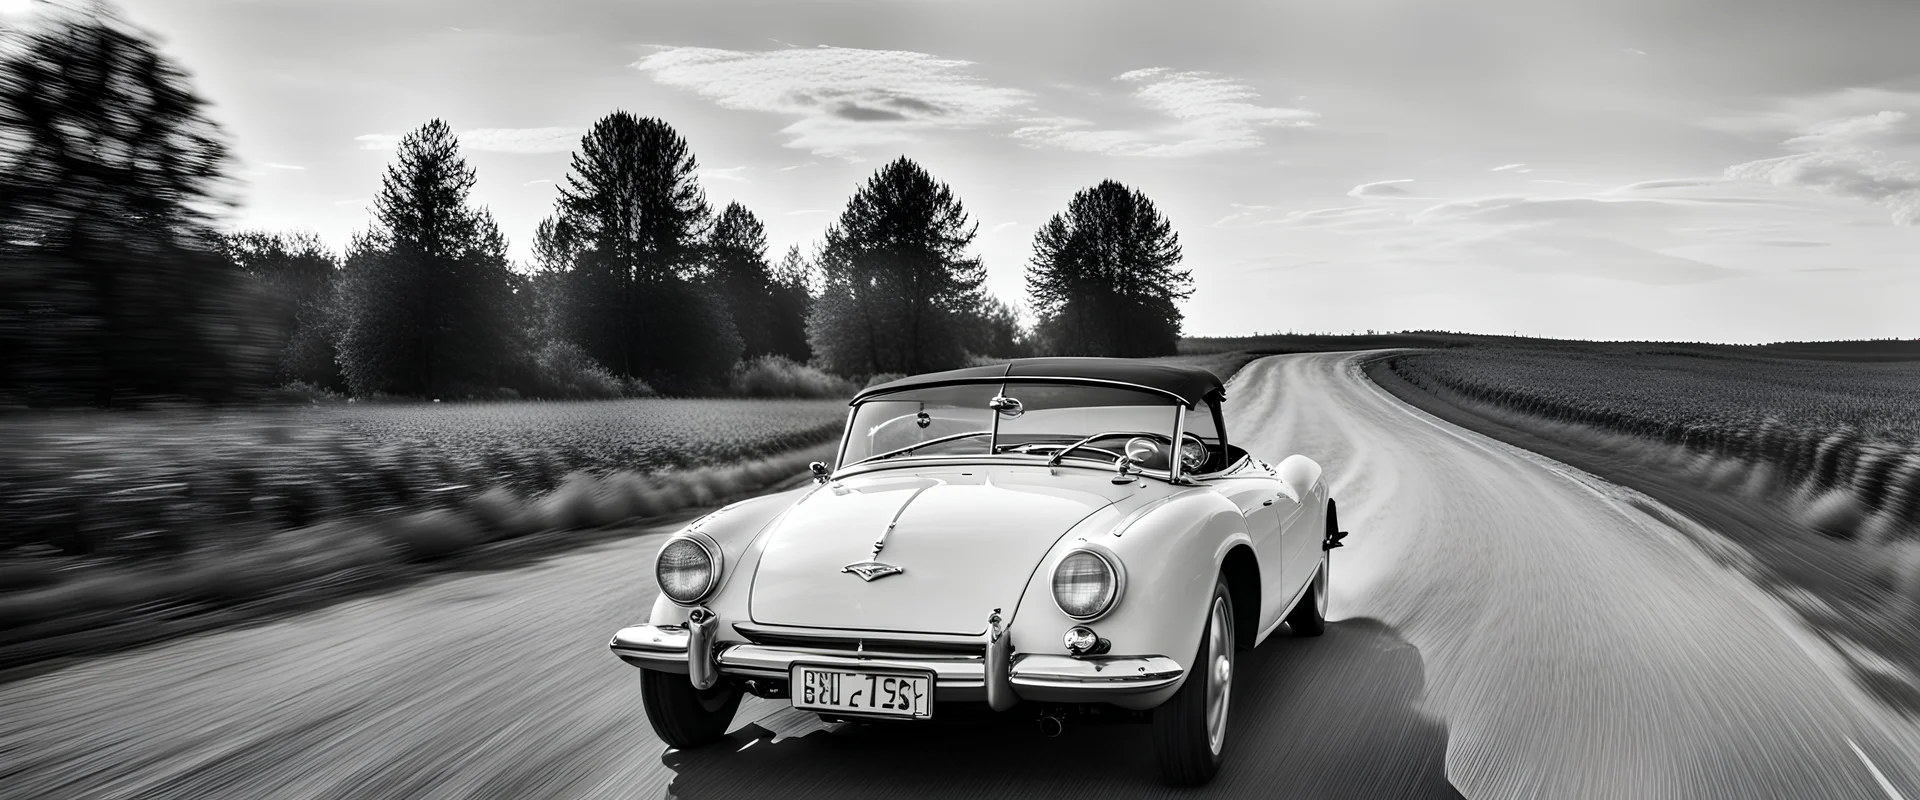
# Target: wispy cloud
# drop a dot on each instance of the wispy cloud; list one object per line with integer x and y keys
{"x": 294, "y": 167}
{"x": 537, "y": 182}
{"x": 729, "y": 174}
{"x": 842, "y": 99}
{"x": 1858, "y": 143}
{"x": 1003, "y": 226}
{"x": 1506, "y": 167}
{"x": 1209, "y": 113}
{"x": 792, "y": 167}
{"x": 494, "y": 140}
{"x": 358, "y": 201}
{"x": 1381, "y": 189}
{"x": 799, "y": 212}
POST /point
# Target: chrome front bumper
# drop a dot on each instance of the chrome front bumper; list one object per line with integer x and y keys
{"x": 997, "y": 676}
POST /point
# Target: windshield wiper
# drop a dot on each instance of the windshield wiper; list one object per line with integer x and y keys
{"x": 912, "y": 447}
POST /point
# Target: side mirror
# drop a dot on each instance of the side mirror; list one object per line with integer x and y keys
{"x": 819, "y": 471}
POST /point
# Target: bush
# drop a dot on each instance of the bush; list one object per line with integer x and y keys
{"x": 563, "y": 371}
{"x": 777, "y": 376}
{"x": 884, "y": 377}
{"x": 303, "y": 393}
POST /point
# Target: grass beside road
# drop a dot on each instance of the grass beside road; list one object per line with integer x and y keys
{"x": 1806, "y": 471}
{"x": 120, "y": 527}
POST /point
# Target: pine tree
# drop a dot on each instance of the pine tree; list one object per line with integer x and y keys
{"x": 1104, "y": 279}
{"x": 634, "y": 220}
{"x": 788, "y": 305}
{"x": 737, "y": 267}
{"x": 897, "y": 278}
{"x": 427, "y": 297}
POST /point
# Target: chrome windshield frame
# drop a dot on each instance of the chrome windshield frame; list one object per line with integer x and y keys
{"x": 1173, "y": 474}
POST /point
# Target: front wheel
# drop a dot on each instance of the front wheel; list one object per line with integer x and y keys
{"x": 685, "y": 717}
{"x": 1190, "y": 729}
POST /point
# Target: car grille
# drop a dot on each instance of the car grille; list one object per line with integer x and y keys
{"x": 844, "y": 644}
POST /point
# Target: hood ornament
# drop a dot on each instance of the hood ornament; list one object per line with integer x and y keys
{"x": 871, "y": 570}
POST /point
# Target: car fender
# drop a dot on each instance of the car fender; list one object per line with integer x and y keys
{"x": 1171, "y": 553}
{"x": 736, "y": 528}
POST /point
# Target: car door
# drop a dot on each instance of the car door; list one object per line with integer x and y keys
{"x": 1300, "y": 542}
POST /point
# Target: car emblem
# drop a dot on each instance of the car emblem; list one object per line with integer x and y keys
{"x": 871, "y": 570}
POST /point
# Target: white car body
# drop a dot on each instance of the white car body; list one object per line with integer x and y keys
{"x": 967, "y": 545}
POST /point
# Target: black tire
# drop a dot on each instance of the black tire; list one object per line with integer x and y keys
{"x": 1309, "y": 616}
{"x": 685, "y": 717}
{"x": 1182, "y": 740}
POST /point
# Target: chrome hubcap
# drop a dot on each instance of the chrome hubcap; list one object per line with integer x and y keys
{"x": 1219, "y": 673}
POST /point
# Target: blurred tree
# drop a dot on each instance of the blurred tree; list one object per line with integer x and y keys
{"x": 631, "y": 225}
{"x": 897, "y": 280}
{"x": 111, "y": 285}
{"x": 737, "y": 266}
{"x": 1103, "y": 277}
{"x": 790, "y": 301}
{"x": 427, "y": 300}
{"x": 297, "y": 271}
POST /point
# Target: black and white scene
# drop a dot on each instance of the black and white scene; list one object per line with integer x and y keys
{"x": 885, "y": 399}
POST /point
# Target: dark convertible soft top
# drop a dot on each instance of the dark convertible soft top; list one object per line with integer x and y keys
{"x": 1189, "y": 385}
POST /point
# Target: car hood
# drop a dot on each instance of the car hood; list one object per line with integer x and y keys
{"x": 966, "y": 541}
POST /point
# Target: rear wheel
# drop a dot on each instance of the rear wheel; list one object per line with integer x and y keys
{"x": 1309, "y": 616}
{"x": 685, "y": 717}
{"x": 1190, "y": 729}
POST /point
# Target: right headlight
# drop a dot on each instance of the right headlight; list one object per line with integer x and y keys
{"x": 688, "y": 569}
{"x": 1086, "y": 584}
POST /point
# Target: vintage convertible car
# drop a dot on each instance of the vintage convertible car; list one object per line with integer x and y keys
{"x": 1075, "y": 536}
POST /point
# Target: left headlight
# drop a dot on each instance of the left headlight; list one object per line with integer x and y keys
{"x": 688, "y": 569}
{"x": 1087, "y": 583}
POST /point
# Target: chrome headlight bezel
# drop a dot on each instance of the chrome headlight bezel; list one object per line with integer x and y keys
{"x": 1114, "y": 568}
{"x": 714, "y": 558}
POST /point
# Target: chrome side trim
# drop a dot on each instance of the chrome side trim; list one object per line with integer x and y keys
{"x": 702, "y": 666}
{"x": 1126, "y": 673}
{"x": 1003, "y": 380}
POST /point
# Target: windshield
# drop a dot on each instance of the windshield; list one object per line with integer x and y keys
{"x": 960, "y": 420}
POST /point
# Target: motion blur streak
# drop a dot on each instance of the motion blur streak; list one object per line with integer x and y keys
{"x": 1496, "y": 625}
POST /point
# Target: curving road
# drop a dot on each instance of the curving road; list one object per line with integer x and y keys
{"x": 1506, "y": 627}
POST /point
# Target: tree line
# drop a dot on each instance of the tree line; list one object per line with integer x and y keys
{"x": 118, "y": 286}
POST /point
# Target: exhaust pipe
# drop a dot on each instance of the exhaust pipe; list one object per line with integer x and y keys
{"x": 1051, "y": 726}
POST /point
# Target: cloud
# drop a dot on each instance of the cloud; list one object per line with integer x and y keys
{"x": 1381, "y": 189}
{"x": 1208, "y": 114}
{"x": 1633, "y": 50}
{"x": 842, "y": 99}
{"x": 1506, "y": 167}
{"x": 1003, "y": 226}
{"x": 731, "y": 174}
{"x": 358, "y": 201}
{"x": 1857, "y": 143}
{"x": 537, "y": 181}
{"x": 1864, "y": 176}
{"x": 1792, "y": 243}
{"x": 793, "y": 167}
{"x": 799, "y": 212}
{"x": 1665, "y": 183}
{"x": 494, "y": 140}
{"x": 271, "y": 165}
{"x": 522, "y": 140}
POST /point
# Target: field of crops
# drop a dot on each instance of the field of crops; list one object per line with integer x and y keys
{"x": 1825, "y": 425}
{"x": 132, "y": 484}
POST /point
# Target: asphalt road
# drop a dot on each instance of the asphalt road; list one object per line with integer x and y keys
{"x": 1505, "y": 627}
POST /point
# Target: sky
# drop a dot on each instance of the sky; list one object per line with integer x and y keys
{"x": 1718, "y": 170}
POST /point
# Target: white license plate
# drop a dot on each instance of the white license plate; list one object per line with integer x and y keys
{"x": 883, "y": 694}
